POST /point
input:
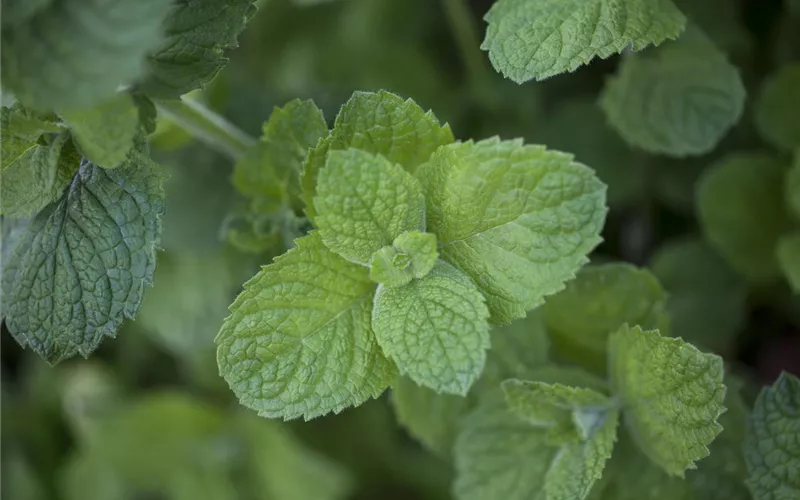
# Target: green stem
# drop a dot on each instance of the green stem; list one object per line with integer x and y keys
{"x": 207, "y": 126}
{"x": 466, "y": 35}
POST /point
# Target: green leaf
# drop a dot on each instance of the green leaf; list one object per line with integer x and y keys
{"x": 20, "y": 130}
{"x": 517, "y": 349}
{"x": 36, "y": 161}
{"x": 435, "y": 329}
{"x": 771, "y": 449}
{"x": 198, "y": 33}
{"x": 519, "y": 220}
{"x": 76, "y": 54}
{"x": 498, "y": 455}
{"x": 741, "y": 210}
{"x": 298, "y": 341}
{"x": 429, "y": 417}
{"x": 364, "y": 202}
{"x": 412, "y": 255}
{"x": 380, "y": 123}
{"x": 105, "y": 132}
{"x": 679, "y": 99}
{"x": 671, "y": 394}
{"x": 272, "y": 168}
{"x": 707, "y": 300}
{"x": 601, "y": 299}
{"x": 568, "y": 413}
{"x": 536, "y": 39}
{"x": 83, "y": 262}
{"x": 789, "y": 259}
{"x": 777, "y": 107}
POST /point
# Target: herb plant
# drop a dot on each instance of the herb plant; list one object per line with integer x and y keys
{"x": 520, "y": 286}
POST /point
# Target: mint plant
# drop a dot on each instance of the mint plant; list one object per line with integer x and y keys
{"x": 567, "y": 283}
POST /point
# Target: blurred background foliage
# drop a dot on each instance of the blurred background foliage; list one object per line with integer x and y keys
{"x": 148, "y": 417}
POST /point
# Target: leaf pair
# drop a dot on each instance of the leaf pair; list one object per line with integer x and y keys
{"x": 555, "y": 440}
{"x": 310, "y": 332}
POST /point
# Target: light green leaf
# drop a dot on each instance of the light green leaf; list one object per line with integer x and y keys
{"x": 519, "y": 220}
{"x": 671, "y": 394}
{"x": 412, "y": 255}
{"x": 75, "y": 54}
{"x": 298, "y": 341}
{"x": 517, "y": 349}
{"x": 83, "y": 262}
{"x": 36, "y": 161}
{"x": 498, "y": 455}
{"x": 198, "y": 33}
{"x": 429, "y": 417}
{"x": 272, "y": 168}
{"x": 105, "y": 132}
{"x": 379, "y": 123}
{"x": 536, "y": 39}
{"x": 602, "y": 298}
{"x": 741, "y": 210}
{"x": 777, "y": 107}
{"x": 707, "y": 300}
{"x": 363, "y": 202}
{"x": 435, "y": 329}
{"x": 567, "y": 413}
{"x": 679, "y": 99}
{"x": 771, "y": 449}
{"x": 789, "y": 259}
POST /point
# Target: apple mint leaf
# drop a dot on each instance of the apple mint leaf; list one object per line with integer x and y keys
{"x": 198, "y": 33}
{"x": 519, "y": 220}
{"x": 517, "y": 349}
{"x": 536, "y": 39}
{"x": 435, "y": 329}
{"x": 298, "y": 341}
{"x": 412, "y": 255}
{"x": 596, "y": 303}
{"x": 272, "y": 168}
{"x": 499, "y": 455}
{"x": 76, "y": 54}
{"x": 706, "y": 298}
{"x": 363, "y": 202}
{"x": 37, "y": 161}
{"x": 679, "y": 99}
{"x": 380, "y": 123}
{"x": 777, "y": 107}
{"x": 772, "y": 447}
{"x": 789, "y": 259}
{"x": 429, "y": 417}
{"x": 567, "y": 413}
{"x": 104, "y": 133}
{"x": 742, "y": 212}
{"x": 671, "y": 394}
{"x": 83, "y": 262}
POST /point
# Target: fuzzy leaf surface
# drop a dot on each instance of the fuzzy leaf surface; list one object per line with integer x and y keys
{"x": 364, "y": 201}
{"x": 519, "y": 220}
{"x": 82, "y": 264}
{"x": 536, "y": 39}
{"x": 298, "y": 341}
{"x": 672, "y": 395}
{"x": 435, "y": 329}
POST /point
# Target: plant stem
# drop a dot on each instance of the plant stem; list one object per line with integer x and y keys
{"x": 207, "y": 126}
{"x": 466, "y": 35}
